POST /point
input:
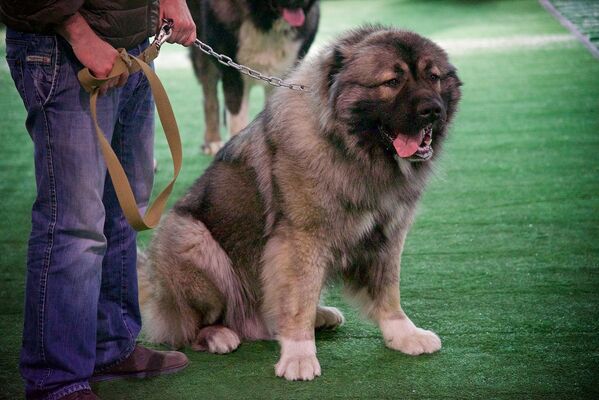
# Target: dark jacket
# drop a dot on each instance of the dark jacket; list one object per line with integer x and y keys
{"x": 120, "y": 23}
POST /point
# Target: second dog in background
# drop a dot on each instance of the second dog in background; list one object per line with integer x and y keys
{"x": 268, "y": 36}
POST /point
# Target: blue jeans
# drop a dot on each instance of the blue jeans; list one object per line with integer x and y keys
{"x": 81, "y": 307}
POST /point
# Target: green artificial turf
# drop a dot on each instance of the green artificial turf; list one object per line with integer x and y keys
{"x": 502, "y": 262}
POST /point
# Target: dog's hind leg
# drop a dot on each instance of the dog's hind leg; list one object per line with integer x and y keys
{"x": 190, "y": 281}
{"x": 328, "y": 318}
{"x": 216, "y": 339}
{"x": 174, "y": 311}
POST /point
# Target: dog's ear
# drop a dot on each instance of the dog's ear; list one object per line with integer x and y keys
{"x": 450, "y": 90}
{"x": 345, "y": 47}
{"x": 335, "y": 65}
{"x": 452, "y": 74}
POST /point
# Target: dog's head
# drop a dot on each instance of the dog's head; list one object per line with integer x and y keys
{"x": 393, "y": 89}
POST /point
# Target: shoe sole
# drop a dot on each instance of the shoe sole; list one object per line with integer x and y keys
{"x": 136, "y": 375}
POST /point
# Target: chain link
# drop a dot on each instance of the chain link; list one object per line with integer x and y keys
{"x": 228, "y": 61}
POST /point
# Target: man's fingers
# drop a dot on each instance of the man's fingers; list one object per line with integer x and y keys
{"x": 102, "y": 71}
{"x": 190, "y": 39}
{"x": 176, "y": 36}
{"x": 183, "y": 33}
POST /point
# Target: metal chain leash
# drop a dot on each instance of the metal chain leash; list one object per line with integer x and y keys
{"x": 228, "y": 61}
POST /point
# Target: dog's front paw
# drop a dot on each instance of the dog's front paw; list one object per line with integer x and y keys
{"x": 404, "y": 336}
{"x": 298, "y": 360}
{"x": 328, "y": 318}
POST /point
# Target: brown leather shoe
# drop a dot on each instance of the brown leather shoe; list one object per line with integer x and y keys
{"x": 143, "y": 363}
{"x": 85, "y": 394}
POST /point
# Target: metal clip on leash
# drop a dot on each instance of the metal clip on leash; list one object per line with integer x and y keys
{"x": 165, "y": 32}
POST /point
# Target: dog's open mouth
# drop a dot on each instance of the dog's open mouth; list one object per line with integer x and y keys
{"x": 414, "y": 148}
{"x": 294, "y": 16}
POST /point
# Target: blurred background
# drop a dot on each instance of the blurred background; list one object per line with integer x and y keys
{"x": 502, "y": 261}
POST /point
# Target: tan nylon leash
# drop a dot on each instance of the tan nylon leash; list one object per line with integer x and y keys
{"x": 91, "y": 84}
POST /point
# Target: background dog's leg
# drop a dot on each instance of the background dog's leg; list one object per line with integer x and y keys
{"x": 208, "y": 75}
{"x": 238, "y": 121}
{"x": 293, "y": 276}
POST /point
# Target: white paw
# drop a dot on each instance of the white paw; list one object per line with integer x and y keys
{"x": 217, "y": 340}
{"x": 298, "y": 360}
{"x": 404, "y": 336}
{"x": 328, "y": 318}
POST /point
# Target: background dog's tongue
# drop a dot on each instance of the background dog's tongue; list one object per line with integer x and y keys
{"x": 405, "y": 146}
{"x": 295, "y": 17}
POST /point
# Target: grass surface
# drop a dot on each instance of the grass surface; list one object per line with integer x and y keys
{"x": 502, "y": 262}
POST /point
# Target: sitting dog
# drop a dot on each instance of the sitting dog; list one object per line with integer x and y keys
{"x": 268, "y": 36}
{"x": 322, "y": 184}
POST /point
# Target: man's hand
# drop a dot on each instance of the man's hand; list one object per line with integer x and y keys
{"x": 184, "y": 30}
{"x": 94, "y": 53}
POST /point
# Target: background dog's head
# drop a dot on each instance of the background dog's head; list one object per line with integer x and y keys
{"x": 393, "y": 89}
{"x": 292, "y": 11}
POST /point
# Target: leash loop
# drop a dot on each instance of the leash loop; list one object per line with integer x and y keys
{"x": 91, "y": 84}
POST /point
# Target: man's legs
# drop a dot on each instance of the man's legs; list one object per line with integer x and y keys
{"x": 67, "y": 244}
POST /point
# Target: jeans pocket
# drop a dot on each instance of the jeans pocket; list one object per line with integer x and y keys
{"x": 15, "y": 51}
{"x": 41, "y": 63}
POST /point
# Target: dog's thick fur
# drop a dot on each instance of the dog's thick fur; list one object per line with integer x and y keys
{"x": 253, "y": 33}
{"x": 312, "y": 189}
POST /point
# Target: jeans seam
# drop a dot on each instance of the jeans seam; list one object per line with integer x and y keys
{"x": 65, "y": 391}
{"x": 48, "y": 253}
{"x": 122, "y": 243}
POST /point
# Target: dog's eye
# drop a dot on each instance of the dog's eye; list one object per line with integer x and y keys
{"x": 392, "y": 83}
{"x": 435, "y": 78}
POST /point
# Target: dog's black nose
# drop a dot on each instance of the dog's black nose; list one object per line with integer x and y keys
{"x": 430, "y": 111}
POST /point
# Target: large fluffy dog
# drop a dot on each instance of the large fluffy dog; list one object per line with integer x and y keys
{"x": 321, "y": 184}
{"x": 266, "y": 35}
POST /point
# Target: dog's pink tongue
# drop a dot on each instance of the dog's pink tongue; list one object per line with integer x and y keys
{"x": 295, "y": 17}
{"x": 405, "y": 146}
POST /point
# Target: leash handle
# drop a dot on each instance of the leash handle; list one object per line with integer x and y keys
{"x": 124, "y": 193}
